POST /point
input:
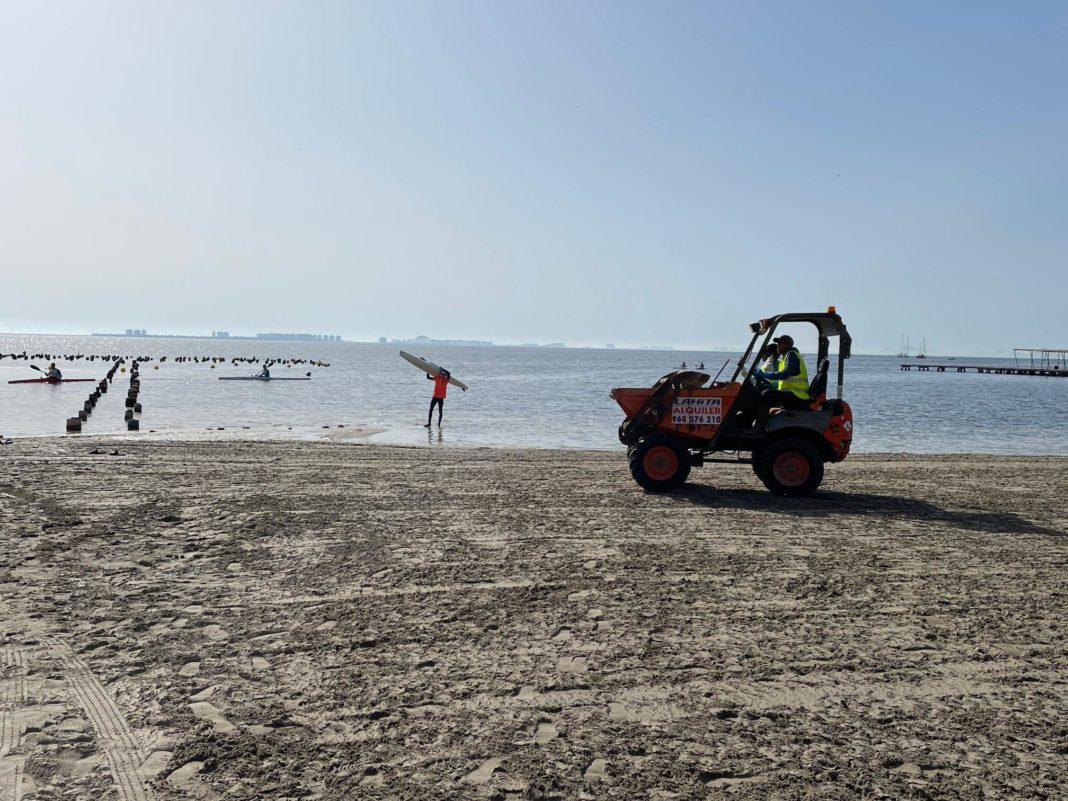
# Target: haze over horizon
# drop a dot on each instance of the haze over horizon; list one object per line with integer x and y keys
{"x": 637, "y": 174}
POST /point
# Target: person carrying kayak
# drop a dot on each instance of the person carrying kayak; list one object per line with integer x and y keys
{"x": 53, "y": 373}
{"x": 441, "y": 383}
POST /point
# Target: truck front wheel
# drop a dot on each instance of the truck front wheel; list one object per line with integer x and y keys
{"x": 790, "y": 467}
{"x": 659, "y": 463}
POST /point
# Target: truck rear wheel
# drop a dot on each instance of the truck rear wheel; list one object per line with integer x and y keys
{"x": 659, "y": 463}
{"x": 790, "y": 467}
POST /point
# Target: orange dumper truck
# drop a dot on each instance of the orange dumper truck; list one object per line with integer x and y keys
{"x": 680, "y": 422}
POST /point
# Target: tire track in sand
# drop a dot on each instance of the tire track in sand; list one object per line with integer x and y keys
{"x": 12, "y": 699}
{"x": 121, "y": 748}
{"x": 12, "y": 660}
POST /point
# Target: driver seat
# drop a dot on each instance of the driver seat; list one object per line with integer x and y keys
{"x": 817, "y": 389}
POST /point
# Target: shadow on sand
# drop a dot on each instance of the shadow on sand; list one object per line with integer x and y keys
{"x": 880, "y": 507}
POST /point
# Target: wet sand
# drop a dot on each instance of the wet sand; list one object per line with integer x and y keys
{"x": 329, "y": 621}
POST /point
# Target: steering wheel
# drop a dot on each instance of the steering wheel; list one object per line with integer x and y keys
{"x": 759, "y": 383}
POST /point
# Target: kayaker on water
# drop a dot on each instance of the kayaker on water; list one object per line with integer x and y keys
{"x": 53, "y": 373}
{"x": 264, "y": 373}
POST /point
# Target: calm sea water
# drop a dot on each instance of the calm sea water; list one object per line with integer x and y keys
{"x": 519, "y": 397}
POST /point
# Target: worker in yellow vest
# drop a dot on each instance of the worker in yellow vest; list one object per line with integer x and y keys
{"x": 769, "y": 359}
{"x": 788, "y": 385}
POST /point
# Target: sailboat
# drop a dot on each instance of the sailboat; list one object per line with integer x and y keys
{"x": 904, "y": 354}
{"x": 922, "y": 353}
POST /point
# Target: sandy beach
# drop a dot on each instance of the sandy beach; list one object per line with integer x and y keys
{"x": 236, "y": 620}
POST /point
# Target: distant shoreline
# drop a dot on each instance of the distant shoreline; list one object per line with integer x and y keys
{"x": 316, "y": 338}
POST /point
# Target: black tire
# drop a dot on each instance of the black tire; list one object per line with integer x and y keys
{"x": 659, "y": 463}
{"x": 790, "y": 467}
{"x": 757, "y": 460}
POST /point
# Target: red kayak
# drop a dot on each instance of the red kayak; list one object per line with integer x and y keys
{"x": 51, "y": 380}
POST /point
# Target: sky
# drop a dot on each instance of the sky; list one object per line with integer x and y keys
{"x": 636, "y": 173}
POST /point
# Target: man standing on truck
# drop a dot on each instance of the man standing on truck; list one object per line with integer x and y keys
{"x": 789, "y": 382}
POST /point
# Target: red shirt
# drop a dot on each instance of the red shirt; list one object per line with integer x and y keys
{"x": 440, "y": 383}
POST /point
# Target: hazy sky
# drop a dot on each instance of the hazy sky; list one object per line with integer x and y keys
{"x": 626, "y": 172}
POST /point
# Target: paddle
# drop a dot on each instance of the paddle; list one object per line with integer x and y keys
{"x": 35, "y": 367}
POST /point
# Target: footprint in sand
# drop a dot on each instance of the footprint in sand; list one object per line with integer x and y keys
{"x": 186, "y": 778}
{"x": 209, "y": 712}
{"x": 156, "y": 763}
{"x": 619, "y": 713}
{"x": 597, "y": 771}
{"x": 572, "y": 664}
{"x": 546, "y": 733}
{"x": 482, "y": 773}
{"x": 215, "y": 632}
{"x": 372, "y": 777}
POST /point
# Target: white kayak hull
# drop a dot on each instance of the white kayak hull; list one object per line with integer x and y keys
{"x": 430, "y": 369}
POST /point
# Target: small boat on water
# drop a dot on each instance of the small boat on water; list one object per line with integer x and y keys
{"x": 52, "y": 380}
{"x": 922, "y": 353}
{"x": 259, "y": 378}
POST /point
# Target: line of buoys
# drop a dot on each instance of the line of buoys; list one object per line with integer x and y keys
{"x": 70, "y": 357}
{"x": 25, "y": 356}
{"x": 132, "y": 406}
{"x": 74, "y": 424}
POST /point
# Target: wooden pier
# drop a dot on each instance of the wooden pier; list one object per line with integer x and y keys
{"x": 1056, "y": 370}
{"x": 1042, "y": 362}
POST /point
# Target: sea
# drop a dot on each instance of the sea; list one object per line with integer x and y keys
{"x": 518, "y": 397}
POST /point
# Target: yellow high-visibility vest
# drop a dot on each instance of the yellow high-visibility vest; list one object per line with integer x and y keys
{"x": 797, "y": 384}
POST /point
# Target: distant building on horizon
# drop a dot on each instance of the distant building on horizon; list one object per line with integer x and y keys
{"x": 141, "y": 332}
{"x": 301, "y": 337}
{"x": 425, "y": 340}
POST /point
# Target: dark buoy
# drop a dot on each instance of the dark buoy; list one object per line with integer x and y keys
{"x": 137, "y": 408}
{"x": 74, "y": 424}
{"x": 133, "y": 424}
{"x": 83, "y": 415}
{"x": 128, "y": 414}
